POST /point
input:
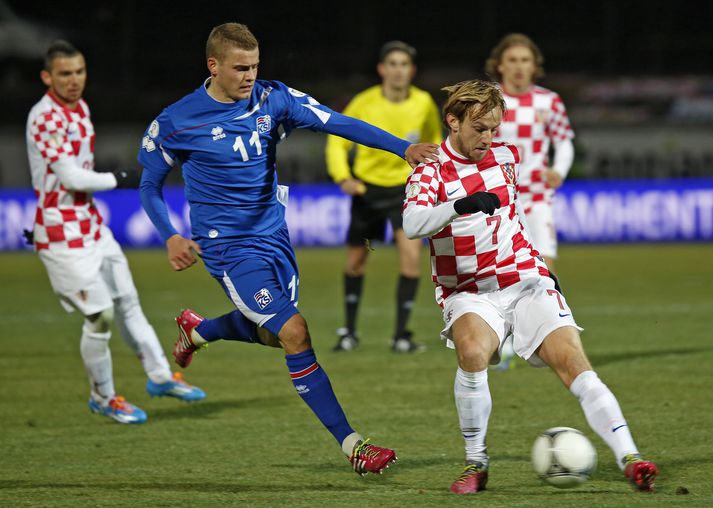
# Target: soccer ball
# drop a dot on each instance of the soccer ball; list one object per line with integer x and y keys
{"x": 563, "y": 457}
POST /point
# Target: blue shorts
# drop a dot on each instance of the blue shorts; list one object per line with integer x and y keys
{"x": 259, "y": 276}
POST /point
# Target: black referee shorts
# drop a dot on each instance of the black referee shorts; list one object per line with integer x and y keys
{"x": 371, "y": 210}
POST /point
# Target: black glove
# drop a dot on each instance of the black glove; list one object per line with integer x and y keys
{"x": 127, "y": 178}
{"x": 485, "y": 202}
{"x": 29, "y": 236}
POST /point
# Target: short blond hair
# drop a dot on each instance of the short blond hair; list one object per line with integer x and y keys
{"x": 507, "y": 42}
{"x": 465, "y": 97}
{"x": 223, "y": 36}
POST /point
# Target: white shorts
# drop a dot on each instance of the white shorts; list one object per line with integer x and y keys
{"x": 540, "y": 226}
{"x": 89, "y": 279}
{"x": 530, "y": 310}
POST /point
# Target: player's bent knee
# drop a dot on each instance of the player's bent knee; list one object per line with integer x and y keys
{"x": 473, "y": 355}
{"x": 562, "y": 350}
{"x": 101, "y": 321}
{"x": 294, "y": 335}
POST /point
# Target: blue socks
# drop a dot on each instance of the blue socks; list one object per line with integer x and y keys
{"x": 312, "y": 384}
{"x": 232, "y": 326}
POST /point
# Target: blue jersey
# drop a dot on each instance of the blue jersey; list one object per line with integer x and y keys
{"x": 227, "y": 153}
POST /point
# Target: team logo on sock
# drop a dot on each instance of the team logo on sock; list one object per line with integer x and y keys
{"x": 302, "y": 389}
{"x": 263, "y": 298}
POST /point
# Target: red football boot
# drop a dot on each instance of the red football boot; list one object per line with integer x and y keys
{"x": 185, "y": 346}
{"x": 368, "y": 458}
{"x": 473, "y": 479}
{"x": 641, "y": 473}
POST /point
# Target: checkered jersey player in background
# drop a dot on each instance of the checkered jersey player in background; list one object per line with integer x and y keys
{"x": 490, "y": 282}
{"x": 376, "y": 184}
{"x": 86, "y": 267}
{"x": 536, "y": 123}
{"x": 225, "y": 135}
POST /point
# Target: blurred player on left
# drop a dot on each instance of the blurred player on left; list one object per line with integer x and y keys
{"x": 86, "y": 267}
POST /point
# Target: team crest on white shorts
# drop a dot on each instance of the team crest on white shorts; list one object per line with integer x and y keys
{"x": 413, "y": 190}
{"x": 264, "y": 124}
{"x": 263, "y": 298}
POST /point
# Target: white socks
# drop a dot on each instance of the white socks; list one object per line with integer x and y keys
{"x": 474, "y": 404}
{"x": 141, "y": 338}
{"x": 603, "y": 414}
{"x": 96, "y": 355}
{"x": 349, "y": 442}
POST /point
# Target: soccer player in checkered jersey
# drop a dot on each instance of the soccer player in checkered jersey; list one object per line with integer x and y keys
{"x": 86, "y": 267}
{"x": 377, "y": 186}
{"x": 225, "y": 134}
{"x": 535, "y": 121}
{"x": 491, "y": 282}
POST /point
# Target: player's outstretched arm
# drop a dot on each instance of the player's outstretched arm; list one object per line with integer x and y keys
{"x": 369, "y": 135}
{"x": 180, "y": 252}
{"x": 421, "y": 152}
{"x": 304, "y": 112}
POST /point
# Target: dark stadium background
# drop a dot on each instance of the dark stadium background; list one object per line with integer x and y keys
{"x": 620, "y": 66}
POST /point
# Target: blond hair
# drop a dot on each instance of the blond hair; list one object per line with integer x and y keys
{"x": 222, "y": 36}
{"x": 507, "y": 42}
{"x": 464, "y": 98}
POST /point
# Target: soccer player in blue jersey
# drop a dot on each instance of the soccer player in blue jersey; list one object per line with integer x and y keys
{"x": 225, "y": 134}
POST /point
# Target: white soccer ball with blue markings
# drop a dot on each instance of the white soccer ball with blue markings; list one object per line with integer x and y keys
{"x": 564, "y": 457}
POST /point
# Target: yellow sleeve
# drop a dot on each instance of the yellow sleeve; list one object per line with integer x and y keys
{"x": 337, "y": 149}
{"x": 432, "y": 130}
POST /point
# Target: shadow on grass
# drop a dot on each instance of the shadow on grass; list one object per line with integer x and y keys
{"x": 206, "y": 408}
{"x": 401, "y": 464}
{"x": 599, "y": 359}
{"x": 181, "y": 486}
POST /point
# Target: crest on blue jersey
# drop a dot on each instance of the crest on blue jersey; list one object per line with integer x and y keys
{"x": 264, "y": 124}
{"x": 263, "y": 298}
{"x": 508, "y": 171}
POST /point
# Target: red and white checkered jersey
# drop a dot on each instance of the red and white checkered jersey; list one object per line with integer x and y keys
{"x": 532, "y": 122}
{"x": 475, "y": 253}
{"x": 64, "y": 219}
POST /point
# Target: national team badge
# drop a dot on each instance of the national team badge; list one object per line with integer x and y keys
{"x": 508, "y": 172}
{"x": 413, "y": 190}
{"x": 264, "y": 124}
{"x": 263, "y": 298}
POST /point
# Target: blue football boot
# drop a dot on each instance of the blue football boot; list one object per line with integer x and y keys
{"x": 177, "y": 388}
{"x": 119, "y": 410}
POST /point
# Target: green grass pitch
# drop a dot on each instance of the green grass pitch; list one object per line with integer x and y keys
{"x": 647, "y": 312}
